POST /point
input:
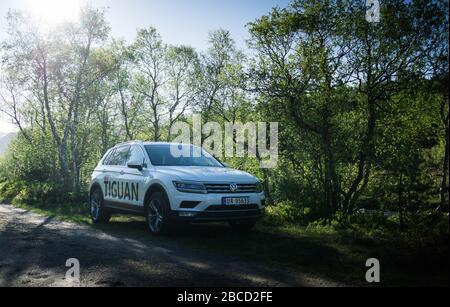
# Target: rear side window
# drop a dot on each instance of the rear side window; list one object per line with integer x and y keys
{"x": 119, "y": 157}
{"x": 108, "y": 157}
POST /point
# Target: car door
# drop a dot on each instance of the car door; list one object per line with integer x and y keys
{"x": 114, "y": 176}
{"x": 134, "y": 179}
{"x": 101, "y": 171}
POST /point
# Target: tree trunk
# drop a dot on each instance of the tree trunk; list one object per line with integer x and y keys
{"x": 444, "y": 184}
{"x": 156, "y": 132}
{"x": 75, "y": 178}
{"x": 364, "y": 163}
{"x": 331, "y": 183}
{"x": 61, "y": 144}
{"x": 124, "y": 112}
{"x": 266, "y": 182}
{"x": 64, "y": 172}
{"x": 75, "y": 142}
{"x": 367, "y": 147}
{"x": 400, "y": 203}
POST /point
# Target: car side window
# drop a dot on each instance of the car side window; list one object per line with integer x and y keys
{"x": 136, "y": 154}
{"x": 107, "y": 160}
{"x": 120, "y": 156}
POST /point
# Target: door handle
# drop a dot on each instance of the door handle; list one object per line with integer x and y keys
{"x": 122, "y": 172}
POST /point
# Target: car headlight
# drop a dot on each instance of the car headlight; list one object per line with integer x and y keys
{"x": 259, "y": 187}
{"x": 190, "y": 187}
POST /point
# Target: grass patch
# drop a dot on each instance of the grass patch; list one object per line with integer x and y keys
{"x": 72, "y": 213}
{"x": 63, "y": 212}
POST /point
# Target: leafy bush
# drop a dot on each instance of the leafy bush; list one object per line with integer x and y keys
{"x": 37, "y": 192}
{"x": 425, "y": 230}
{"x": 9, "y": 189}
{"x": 428, "y": 226}
{"x": 32, "y": 193}
{"x": 28, "y": 175}
{"x": 287, "y": 212}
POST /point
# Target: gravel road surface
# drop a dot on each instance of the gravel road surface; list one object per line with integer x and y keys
{"x": 34, "y": 250}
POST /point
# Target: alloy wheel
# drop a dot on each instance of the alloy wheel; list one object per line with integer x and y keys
{"x": 155, "y": 218}
{"x": 95, "y": 206}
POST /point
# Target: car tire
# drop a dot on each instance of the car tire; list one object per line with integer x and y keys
{"x": 157, "y": 213}
{"x": 243, "y": 225}
{"x": 98, "y": 212}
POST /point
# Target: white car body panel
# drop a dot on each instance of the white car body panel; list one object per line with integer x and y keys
{"x": 125, "y": 188}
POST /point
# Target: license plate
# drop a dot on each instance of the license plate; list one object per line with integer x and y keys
{"x": 235, "y": 201}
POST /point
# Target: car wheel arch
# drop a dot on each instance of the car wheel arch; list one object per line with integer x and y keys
{"x": 155, "y": 188}
{"x": 94, "y": 187}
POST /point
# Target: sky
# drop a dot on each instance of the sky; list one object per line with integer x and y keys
{"x": 185, "y": 22}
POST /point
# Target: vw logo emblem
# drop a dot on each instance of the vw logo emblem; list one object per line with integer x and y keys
{"x": 233, "y": 187}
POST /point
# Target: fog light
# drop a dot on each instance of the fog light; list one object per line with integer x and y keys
{"x": 187, "y": 214}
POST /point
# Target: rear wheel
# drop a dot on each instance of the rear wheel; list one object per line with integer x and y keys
{"x": 98, "y": 212}
{"x": 157, "y": 214}
{"x": 243, "y": 225}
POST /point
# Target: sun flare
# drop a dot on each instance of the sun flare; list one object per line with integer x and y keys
{"x": 53, "y": 12}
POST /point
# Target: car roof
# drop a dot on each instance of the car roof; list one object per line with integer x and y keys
{"x": 148, "y": 143}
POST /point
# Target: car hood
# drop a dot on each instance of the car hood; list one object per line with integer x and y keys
{"x": 207, "y": 174}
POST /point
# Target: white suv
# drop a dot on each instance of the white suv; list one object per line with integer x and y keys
{"x": 148, "y": 179}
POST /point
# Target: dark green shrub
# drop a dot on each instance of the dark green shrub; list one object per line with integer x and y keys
{"x": 287, "y": 212}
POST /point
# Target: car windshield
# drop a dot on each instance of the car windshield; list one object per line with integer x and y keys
{"x": 180, "y": 155}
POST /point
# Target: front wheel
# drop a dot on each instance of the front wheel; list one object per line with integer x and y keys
{"x": 243, "y": 226}
{"x": 98, "y": 212}
{"x": 157, "y": 214}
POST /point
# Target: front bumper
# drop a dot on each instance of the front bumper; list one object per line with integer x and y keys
{"x": 209, "y": 208}
{"x": 219, "y": 214}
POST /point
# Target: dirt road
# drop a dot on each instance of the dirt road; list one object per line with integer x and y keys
{"x": 34, "y": 250}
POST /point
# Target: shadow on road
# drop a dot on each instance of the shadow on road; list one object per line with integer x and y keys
{"x": 301, "y": 253}
{"x": 34, "y": 250}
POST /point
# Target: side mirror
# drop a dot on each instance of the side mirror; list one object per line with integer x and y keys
{"x": 135, "y": 165}
{"x": 226, "y": 165}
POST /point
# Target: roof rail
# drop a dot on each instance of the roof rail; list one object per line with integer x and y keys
{"x": 128, "y": 142}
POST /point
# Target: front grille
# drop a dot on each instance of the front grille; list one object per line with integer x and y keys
{"x": 224, "y": 188}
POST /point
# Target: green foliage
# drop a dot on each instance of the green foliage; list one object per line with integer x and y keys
{"x": 425, "y": 228}
{"x": 285, "y": 213}
{"x": 9, "y": 190}
{"x": 28, "y": 175}
{"x": 28, "y": 192}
